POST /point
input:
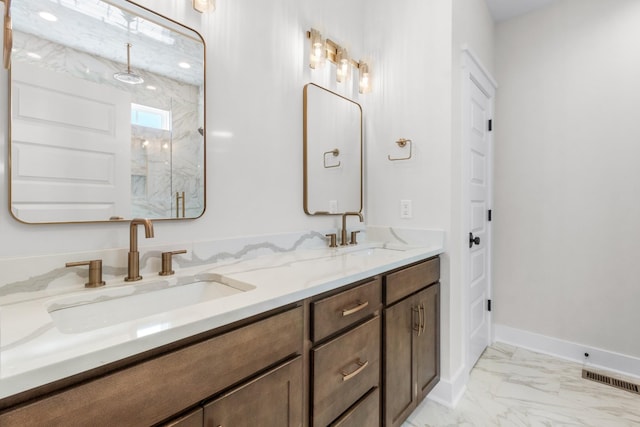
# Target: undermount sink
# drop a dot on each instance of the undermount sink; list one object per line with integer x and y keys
{"x": 77, "y": 314}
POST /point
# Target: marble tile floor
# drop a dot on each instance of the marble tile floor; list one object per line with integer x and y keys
{"x": 510, "y": 386}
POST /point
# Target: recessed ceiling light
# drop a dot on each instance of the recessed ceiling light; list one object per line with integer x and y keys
{"x": 48, "y": 16}
{"x": 184, "y": 65}
{"x": 33, "y": 55}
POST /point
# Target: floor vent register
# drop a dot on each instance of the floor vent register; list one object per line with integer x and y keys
{"x": 613, "y": 382}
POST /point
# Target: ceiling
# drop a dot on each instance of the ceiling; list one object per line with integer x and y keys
{"x": 501, "y": 10}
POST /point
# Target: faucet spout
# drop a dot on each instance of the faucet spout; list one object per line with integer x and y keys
{"x": 343, "y": 235}
{"x": 133, "y": 273}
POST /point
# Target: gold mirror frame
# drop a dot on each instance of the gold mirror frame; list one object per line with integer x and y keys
{"x": 8, "y": 35}
{"x": 329, "y": 156}
{"x": 161, "y": 21}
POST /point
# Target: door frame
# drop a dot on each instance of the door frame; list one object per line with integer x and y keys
{"x": 474, "y": 72}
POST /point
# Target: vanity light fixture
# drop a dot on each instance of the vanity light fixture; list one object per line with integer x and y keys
{"x": 204, "y": 5}
{"x": 326, "y": 49}
{"x": 128, "y": 76}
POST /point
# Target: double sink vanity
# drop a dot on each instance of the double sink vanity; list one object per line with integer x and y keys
{"x": 301, "y": 329}
{"x": 304, "y": 335}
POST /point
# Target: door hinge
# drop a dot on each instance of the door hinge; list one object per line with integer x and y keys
{"x": 489, "y": 215}
{"x": 490, "y": 127}
{"x": 488, "y": 305}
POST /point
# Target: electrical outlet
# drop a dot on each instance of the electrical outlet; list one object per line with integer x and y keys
{"x": 333, "y": 206}
{"x": 405, "y": 209}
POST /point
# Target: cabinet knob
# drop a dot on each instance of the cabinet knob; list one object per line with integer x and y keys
{"x": 95, "y": 272}
{"x": 167, "y": 257}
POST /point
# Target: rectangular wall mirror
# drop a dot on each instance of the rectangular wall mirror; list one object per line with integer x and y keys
{"x": 107, "y": 113}
{"x": 332, "y": 152}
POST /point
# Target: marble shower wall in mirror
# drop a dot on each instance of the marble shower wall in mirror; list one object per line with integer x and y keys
{"x": 120, "y": 150}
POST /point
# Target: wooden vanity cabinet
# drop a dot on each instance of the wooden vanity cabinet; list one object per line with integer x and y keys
{"x": 411, "y": 355}
{"x": 345, "y": 357}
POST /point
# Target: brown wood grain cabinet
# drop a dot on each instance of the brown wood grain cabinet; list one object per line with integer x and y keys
{"x": 345, "y": 357}
{"x": 411, "y": 365}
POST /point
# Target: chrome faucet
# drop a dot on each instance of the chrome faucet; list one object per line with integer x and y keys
{"x": 134, "y": 255}
{"x": 343, "y": 240}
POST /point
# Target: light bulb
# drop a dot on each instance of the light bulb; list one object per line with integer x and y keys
{"x": 318, "y": 51}
{"x": 365, "y": 83}
{"x": 204, "y": 5}
{"x": 342, "y": 62}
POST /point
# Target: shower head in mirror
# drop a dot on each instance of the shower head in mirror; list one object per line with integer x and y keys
{"x": 128, "y": 76}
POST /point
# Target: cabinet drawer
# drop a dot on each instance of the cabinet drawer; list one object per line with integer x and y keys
{"x": 365, "y": 413}
{"x": 336, "y": 312}
{"x": 154, "y": 390}
{"x": 272, "y": 400}
{"x": 411, "y": 279}
{"x": 344, "y": 369}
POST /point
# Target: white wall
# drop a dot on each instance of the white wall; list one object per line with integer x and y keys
{"x": 567, "y": 193}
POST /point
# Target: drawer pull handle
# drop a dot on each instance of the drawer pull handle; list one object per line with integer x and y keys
{"x": 359, "y": 306}
{"x": 361, "y": 366}
{"x": 423, "y": 318}
{"x": 417, "y": 324}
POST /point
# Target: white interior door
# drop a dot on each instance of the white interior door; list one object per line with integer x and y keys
{"x": 479, "y": 175}
{"x": 70, "y": 149}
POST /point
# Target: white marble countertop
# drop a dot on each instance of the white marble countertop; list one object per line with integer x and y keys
{"x": 34, "y": 350}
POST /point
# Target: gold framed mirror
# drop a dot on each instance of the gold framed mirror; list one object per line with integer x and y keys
{"x": 107, "y": 103}
{"x": 332, "y": 126}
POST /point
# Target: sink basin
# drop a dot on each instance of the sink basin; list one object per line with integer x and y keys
{"x": 109, "y": 307}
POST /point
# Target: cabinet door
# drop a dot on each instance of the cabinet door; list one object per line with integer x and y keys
{"x": 272, "y": 400}
{"x": 400, "y": 329}
{"x": 427, "y": 343}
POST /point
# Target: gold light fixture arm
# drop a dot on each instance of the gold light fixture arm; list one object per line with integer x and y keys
{"x": 335, "y": 153}
{"x": 402, "y": 142}
{"x": 8, "y": 34}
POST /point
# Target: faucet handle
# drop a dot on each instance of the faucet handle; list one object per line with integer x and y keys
{"x": 354, "y": 238}
{"x": 167, "y": 269}
{"x": 332, "y": 240}
{"x": 95, "y": 272}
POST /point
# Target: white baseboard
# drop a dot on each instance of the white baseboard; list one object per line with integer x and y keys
{"x": 448, "y": 392}
{"x": 598, "y": 358}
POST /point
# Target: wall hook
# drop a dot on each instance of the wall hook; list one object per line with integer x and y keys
{"x": 335, "y": 153}
{"x": 402, "y": 142}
